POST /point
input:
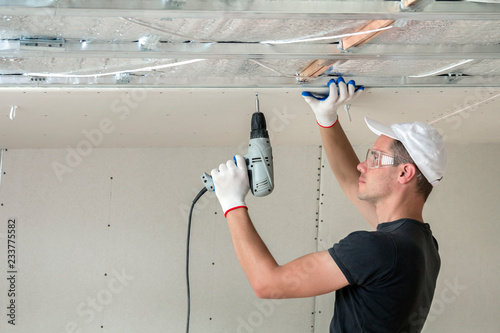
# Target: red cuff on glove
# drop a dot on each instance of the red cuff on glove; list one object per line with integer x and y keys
{"x": 336, "y": 121}
{"x": 225, "y": 214}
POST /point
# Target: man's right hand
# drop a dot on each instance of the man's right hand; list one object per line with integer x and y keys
{"x": 325, "y": 108}
{"x": 231, "y": 184}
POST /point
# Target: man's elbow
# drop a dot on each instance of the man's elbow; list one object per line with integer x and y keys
{"x": 262, "y": 294}
{"x": 269, "y": 284}
{"x": 266, "y": 291}
{"x": 260, "y": 289}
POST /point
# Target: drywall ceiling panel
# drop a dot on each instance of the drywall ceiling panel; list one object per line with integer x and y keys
{"x": 58, "y": 118}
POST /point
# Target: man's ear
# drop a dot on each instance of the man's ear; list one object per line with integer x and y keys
{"x": 406, "y": 173}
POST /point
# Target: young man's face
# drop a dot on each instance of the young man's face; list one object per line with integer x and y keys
{"x": 376, "y": 184}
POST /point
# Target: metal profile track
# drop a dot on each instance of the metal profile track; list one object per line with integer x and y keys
{"x": 12, "y": 49}
{"x": 287, "y": 9}
{"x": 138, "y": 81}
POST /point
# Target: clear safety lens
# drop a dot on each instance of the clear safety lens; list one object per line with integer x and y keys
{"x": 377, "y": 159}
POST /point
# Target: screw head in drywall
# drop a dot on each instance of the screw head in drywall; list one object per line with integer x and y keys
{"x": 13, "y": 110}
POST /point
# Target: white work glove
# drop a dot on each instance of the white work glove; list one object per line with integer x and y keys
{"x": 325, "y": 108}
{"x": 231, "y": 184}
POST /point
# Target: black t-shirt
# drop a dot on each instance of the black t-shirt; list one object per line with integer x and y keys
{"x": 392, "y": 275}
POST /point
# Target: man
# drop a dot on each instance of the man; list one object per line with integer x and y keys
{"x": 385, "y": 279}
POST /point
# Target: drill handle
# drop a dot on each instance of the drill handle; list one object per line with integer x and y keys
{"x": 208, "y": 182}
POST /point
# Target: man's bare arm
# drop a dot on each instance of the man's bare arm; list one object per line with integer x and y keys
{"x": 311, "y": 275}
{"x": 344, "y": 162}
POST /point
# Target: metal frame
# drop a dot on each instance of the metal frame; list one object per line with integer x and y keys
{"x": 287, "y": 9}
{"x": 244, "y": 9}
{"x": 75, "y": 49}
{"x": 139, "y": 81}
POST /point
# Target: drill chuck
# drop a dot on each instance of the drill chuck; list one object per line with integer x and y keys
{"x": 258, "y": 126}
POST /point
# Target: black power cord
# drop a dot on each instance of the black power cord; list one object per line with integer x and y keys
{"x": 198, "y": 196}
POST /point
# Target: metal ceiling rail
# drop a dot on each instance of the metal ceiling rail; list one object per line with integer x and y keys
{"x": 76, "y": 49}
{"x": 164, "y": 82}
{"x": 259, "y": 9}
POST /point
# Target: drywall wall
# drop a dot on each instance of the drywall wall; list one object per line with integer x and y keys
{"x": 101, "y": 248}
{"x": 104, "y": 244}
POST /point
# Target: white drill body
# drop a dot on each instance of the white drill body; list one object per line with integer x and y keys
{"x": 260, "y": 166}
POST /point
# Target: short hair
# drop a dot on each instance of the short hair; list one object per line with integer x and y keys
{"x": 401, "y": 156}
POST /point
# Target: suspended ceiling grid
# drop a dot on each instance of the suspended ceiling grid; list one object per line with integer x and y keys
{"x": 231, "y": 44}
{"x": 125, "y": 45}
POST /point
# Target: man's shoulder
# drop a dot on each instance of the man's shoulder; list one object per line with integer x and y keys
{"x": 368, "y": 237}
{"x": 365, "y": 256}
{"x": 369, "y": 243}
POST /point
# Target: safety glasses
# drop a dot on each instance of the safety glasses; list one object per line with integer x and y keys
{"x": 377, "y": 159}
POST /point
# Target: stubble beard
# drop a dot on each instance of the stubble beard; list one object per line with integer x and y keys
{"x": 372, "y": 199}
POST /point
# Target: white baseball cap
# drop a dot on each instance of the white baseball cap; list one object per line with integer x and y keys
{"x": 422, "y": 141}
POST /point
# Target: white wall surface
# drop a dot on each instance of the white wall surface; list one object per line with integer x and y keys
{"x": 103, "y": 249}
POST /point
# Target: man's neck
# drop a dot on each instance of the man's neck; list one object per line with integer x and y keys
{"x": 410, "y": 208}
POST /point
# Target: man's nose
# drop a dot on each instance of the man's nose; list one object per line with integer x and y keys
{"x": 362, "y": 167}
